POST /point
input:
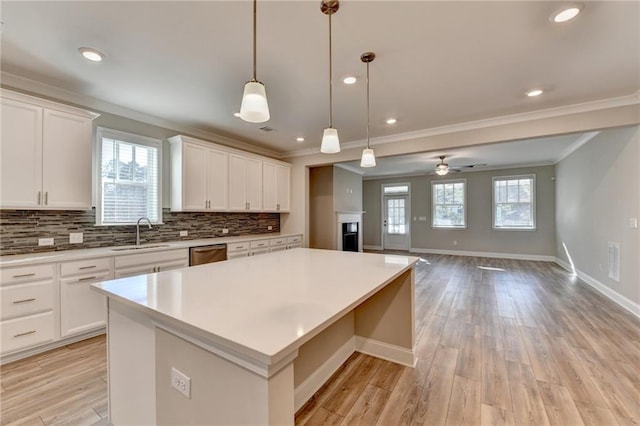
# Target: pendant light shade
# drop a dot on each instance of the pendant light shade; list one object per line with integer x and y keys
{"x": 254, "y": 107}
{"x": 330, "y": 141}
{"x": 368, "y": 157}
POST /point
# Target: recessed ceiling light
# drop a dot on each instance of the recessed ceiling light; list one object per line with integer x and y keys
{"x": 566, "y": 13}
{"x": 90, "y": 54}
{"x": 349, "y": 80}
{"x": 300, "y": 139}
{"x": 236, "y": 114}
{"x": 534, "y": 92}
{"x": 391, "y": 121}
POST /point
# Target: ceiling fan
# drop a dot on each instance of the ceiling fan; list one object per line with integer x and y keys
{"x": 443, "y": 168}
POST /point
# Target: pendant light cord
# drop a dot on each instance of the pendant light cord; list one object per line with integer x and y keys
{"x": 367, "y": 105}
{"x": 330, "y": 76}
{"x": 255, "y": 39}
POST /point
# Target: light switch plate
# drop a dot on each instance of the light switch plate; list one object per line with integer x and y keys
{"x": 633, "y": 223}
{"x": 45, "y": 241}
{"x": 75, "y": 238}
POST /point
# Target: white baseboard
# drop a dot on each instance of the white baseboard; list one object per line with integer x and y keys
{"x": 517, "y": 256}
{"x": 377, "y": 248}
{"x": 392, "y": 353}
{"x": 305, "y": 390}
{"x": 618, "y": 298}
{"x": 48, "y": 346}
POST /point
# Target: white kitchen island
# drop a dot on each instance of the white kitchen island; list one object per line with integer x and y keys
{"x": 256, "y": 336}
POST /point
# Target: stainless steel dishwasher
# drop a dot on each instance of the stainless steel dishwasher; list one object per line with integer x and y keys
{"x": 207, "y": 254}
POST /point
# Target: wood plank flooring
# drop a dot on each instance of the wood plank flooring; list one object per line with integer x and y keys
{"x": 525, "y": 345}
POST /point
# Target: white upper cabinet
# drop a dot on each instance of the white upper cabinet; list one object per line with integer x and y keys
{"x": 245, "y": 183}
{"x": 276, "y": 187}
{"x": 209, "y": 177}
{"x": 45, "y": 154}
{"x": 199, "y": 176}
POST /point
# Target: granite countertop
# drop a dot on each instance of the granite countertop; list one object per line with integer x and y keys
{"x": 263, "y": 306}
{"x": 66, "y": 255}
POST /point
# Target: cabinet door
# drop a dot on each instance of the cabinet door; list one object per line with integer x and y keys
{"x": 66, "y": 164}
{"x": 20, "y": 155}
{"x": 81, "y": 309}
{"x": 218, "y": 179}
{"x": 237, "y": 182}
{"x": 254, "y": 184}
{"x": 283, "y": 186}
{"x": 269, "y": 187}
{"x": 194, "y": 178}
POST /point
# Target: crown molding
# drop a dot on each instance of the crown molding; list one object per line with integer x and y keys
{"x": 33, "y": 87}
{"x": 601, "y": 104}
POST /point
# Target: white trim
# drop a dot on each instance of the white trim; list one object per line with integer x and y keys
{"x": 305, "y": 390}
{"x": 43, "y": 89}
{"x": 4, "y": 359}
{"x": 597, "y": 105}
{"x": 619, "y": 299}
{"x": 387, "y": 351}
{"x": 377, "y": 248}
{"x": 516, "y": 256}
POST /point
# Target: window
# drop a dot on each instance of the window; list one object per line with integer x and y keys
{"x": 514, "y": 202}
{"x": 395, "y": 189}
{"x": 448, "y": 203}
{"x": 128, "y": 178}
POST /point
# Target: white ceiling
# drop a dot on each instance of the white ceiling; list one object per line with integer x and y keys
{"x": 438, "y": 63}
{"x": 530, "y": 152}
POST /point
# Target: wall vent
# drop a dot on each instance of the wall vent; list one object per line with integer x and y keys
{"x": 614, "y": 261}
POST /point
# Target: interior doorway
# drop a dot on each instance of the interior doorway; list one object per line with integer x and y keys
{"x": 396, "y": 211}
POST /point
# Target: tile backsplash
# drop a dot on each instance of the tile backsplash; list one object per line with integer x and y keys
{"x": 21, "y": 229}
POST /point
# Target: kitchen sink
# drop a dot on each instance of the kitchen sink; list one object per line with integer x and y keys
{"x": 139, "y": 247}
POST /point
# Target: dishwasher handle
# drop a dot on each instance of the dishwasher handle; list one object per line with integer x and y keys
{"x": 208, "y": 248}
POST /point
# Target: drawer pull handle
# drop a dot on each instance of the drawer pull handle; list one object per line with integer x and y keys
{"x": 24, "y": 334}
{"x": 15, "y": 302}
{"x": 87, "y": 267}
{"x": 24, "y": 275}
{"x": 86, "y": 279}
{"x": 239, "y": 247}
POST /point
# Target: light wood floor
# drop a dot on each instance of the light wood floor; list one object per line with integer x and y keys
{"x": 526, "y": 345}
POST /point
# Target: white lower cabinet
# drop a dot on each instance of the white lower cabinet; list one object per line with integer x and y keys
{"x": 294, "y": 242}
{"x": 28, "y": 302}
{"x": 148, "y": 263}
{"x": 82, "y": 309}
{"x": 277, "y": 244}
{"x": 235, "y": 250}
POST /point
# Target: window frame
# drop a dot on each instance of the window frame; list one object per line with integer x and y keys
{"x": 103, "y": 132}
{"x": 434, "y": 204}
{"x": 534, "y": 196}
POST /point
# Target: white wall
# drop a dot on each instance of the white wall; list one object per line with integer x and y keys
{"x": 597, "y": 192}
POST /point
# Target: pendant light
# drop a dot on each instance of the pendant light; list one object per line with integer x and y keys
{"x": 330, "y": 140}
{"x": 368, "y": 157}
{"x": 254, "y": 107}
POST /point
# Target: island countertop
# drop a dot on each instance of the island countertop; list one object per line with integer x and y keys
{"x": 265, "y": 306}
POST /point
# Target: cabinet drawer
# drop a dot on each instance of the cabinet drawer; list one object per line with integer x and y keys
{"x": 154, "y": 258}
{"x": 88, "y": 266}
{"x": 237, "y": 254}
{"x": 24, "y": 332}
{"x": 27, "y": 273}
{"x": 294, "y": 239}
{"x": 277, "y": 242}
{"x": 243, "y": 246}
{"x": 26, "y": 299}
{"x": 277, "y": 248}
{"x": 259, "y": 244}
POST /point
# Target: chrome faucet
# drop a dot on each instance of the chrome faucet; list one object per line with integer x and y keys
{"x": 138, "y": 228}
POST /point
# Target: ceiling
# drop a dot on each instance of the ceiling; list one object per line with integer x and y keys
{"x": 437, "y": 64}
{"x": 524, "y": 153}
